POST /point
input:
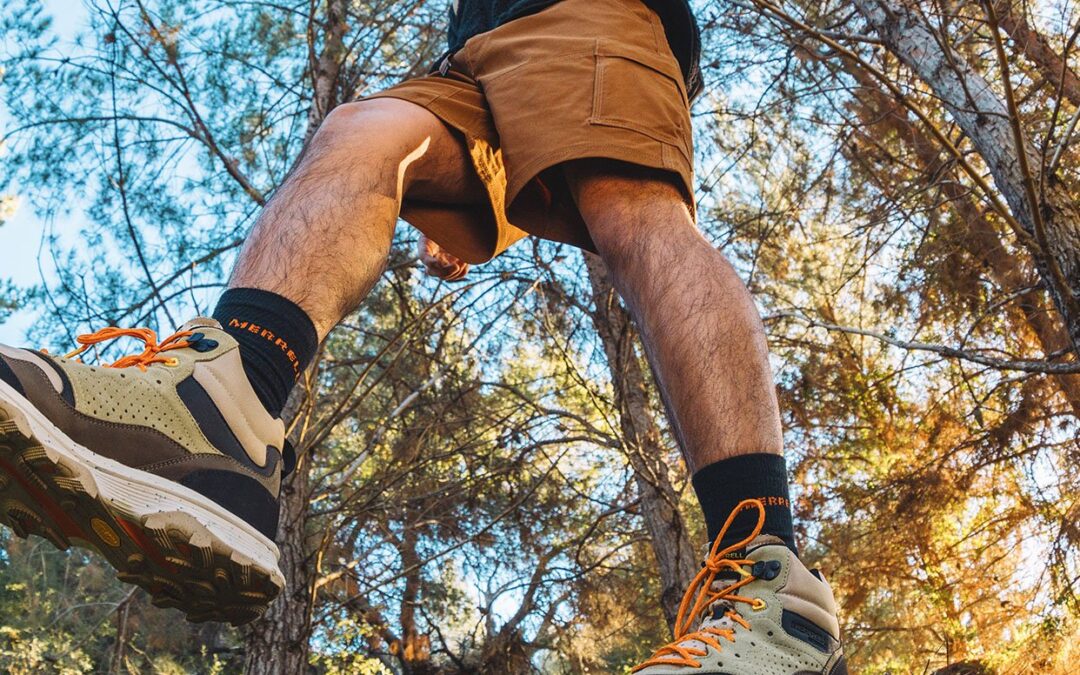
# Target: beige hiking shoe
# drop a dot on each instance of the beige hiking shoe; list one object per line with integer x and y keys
{"x": 165, "y": 462}
{"x": 763, "y": 613}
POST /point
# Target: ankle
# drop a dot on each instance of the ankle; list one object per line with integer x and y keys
{"x": 277, "y": 341}
{"x": 723, "y": 485}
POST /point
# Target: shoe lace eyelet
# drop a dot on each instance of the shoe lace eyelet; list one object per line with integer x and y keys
{"x": 172, "y": 362}
{"x": 758, "y": 605}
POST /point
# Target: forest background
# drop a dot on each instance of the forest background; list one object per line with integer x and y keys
{"x": 487, "y": 484}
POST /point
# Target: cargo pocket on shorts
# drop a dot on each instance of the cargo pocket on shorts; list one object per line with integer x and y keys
{"x": 641, "y": 91}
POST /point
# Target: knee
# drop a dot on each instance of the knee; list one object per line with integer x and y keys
{"x": 383, "y": 128}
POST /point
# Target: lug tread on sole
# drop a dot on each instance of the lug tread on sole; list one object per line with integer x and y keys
{"x": 184, "y": 570}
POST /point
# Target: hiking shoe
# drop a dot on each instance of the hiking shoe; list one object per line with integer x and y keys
{"x": 165, "y": 462}
{"x": 763, "y": 612}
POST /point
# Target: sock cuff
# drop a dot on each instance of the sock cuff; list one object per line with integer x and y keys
{"x": 257, "y": 306}
{"x": 768, "y": 470}
{"x": 721, "y": 486}
{"x": 277, "y": 341}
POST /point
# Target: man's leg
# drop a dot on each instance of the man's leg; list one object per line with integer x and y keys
{"x": 702, "y": 335}
{"x": 322, "y": 242}
{"x": 167, "y": 461}
{"x": 753, "y": 607}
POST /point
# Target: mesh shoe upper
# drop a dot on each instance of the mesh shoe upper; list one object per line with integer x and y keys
{"x": 182, "y": 410}
{"x": 764, "y": 614}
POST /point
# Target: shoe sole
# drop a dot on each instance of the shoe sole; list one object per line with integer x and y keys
{"x": 186, "y": 551}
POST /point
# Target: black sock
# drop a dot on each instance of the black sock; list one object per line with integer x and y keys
{"x": 277, "y": 341}
{"x": 721, "y": 486}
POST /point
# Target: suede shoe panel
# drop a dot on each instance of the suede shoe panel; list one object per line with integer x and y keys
{"x": 128, "y": 444}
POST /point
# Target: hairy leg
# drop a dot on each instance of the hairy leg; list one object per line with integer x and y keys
{"x": 323, "y": 239}
{"x": 700, "y": 327}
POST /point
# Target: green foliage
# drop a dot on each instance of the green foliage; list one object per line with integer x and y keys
{"x": 59, "y": 614}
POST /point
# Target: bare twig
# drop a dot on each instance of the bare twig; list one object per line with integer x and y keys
{"x": 1026, "y": 366}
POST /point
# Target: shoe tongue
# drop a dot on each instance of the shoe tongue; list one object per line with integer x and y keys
{"x": 755, "y": 543}
{"x": 764, "y": 540}
{"x": 201, "y": 322}
{"x": 716, "y": 615}
{"x": 726, "y": 577}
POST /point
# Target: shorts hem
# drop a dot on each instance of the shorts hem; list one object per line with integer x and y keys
{"x": 660, "y": 160}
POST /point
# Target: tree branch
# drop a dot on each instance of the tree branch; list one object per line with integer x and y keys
{"x": 1026, "y": 366}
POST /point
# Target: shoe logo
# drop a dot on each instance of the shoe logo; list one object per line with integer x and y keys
{"x": 105, "y": 533}
{"x": 218, "y": 431}
{"x": 801, "y": 628}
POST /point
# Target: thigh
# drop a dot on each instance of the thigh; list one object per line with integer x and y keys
{"x": 620, "y": 202}
{"x": 597, "y": 184}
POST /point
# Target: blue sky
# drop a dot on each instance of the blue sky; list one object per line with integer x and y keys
{"x": 20, "y": 237}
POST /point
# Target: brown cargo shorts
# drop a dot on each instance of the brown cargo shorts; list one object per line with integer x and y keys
{"x": 580, "y": 79}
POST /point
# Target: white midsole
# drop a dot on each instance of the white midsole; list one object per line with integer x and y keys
{"x": 145, "y": 495}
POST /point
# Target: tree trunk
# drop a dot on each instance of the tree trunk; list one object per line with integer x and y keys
{"x": 117, "y": 664}
{"x": 413, "y": 650}
{"x": 985, "y": 119}
{"x": 641, "y": 442}
{"x": 277, "y": 644}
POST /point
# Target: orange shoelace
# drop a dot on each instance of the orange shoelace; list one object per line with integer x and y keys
{"x": 150, "y": 355}
{"x": 700, "y": 596}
